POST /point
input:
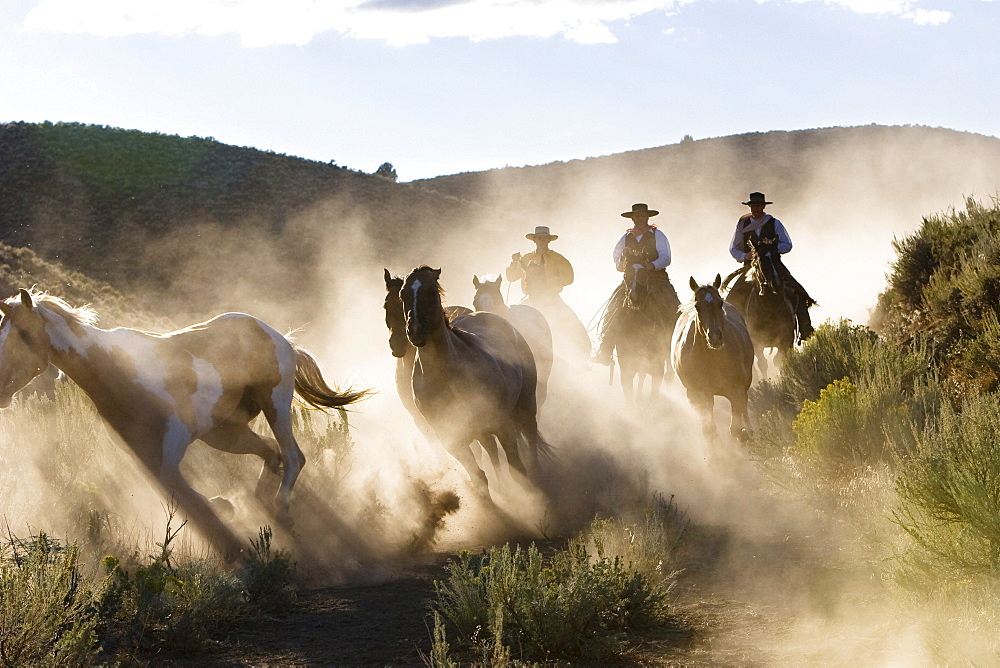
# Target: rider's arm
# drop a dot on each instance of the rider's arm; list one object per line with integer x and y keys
{"x": 515, "y": 271}
{"x": 562, "y": 270}
{"x": 784, "y": 241}
{"x": 619, "y": 253}
{"x": 662, "y": 260}
{"x": 734, "y": 245}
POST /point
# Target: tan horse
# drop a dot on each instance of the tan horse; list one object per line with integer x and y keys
{"x": 161, "y": 392}
{"x": 712, "y": 356}
{"x": 528, "y": 320}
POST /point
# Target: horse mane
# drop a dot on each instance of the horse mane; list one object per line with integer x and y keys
{"x": 83, "y": 315}
{"x": 426, "y": 269}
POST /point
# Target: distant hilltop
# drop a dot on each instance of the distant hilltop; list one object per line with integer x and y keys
{"x": 200, "y": 221}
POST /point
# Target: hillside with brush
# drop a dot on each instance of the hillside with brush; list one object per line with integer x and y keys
{"x": 200, "y": 225}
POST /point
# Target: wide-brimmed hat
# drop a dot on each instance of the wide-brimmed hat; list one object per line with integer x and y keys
{"x": 541, "y": 232}
{"x": 757, "y": 198}
{"x": 640, "y": 208}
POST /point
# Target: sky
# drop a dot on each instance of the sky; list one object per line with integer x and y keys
{"x": 448, "y": 86}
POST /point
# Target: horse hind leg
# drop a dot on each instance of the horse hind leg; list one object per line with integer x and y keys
{"x": 239, "y": 439}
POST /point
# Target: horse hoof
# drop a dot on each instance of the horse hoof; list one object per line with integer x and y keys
{"x": 223, "y": 508}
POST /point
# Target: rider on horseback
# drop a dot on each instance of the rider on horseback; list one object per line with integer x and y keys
{"x": 641, "y": 247}
{"x": 762, "y": 234}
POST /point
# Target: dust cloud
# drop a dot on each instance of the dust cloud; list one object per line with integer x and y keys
{"x": 364, "y": 512}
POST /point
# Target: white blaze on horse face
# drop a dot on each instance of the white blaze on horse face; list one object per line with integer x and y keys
{"x": 708, "y": 297}
{"x": 415, "y": 288}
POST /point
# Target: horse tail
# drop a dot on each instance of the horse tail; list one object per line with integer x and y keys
{"x": 312, "y": 388}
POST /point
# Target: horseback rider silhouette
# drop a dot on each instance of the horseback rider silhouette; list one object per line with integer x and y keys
{"x": 543, "y": 274}
{"x": 761, "y": 236}
{"x": 643, "y": 247}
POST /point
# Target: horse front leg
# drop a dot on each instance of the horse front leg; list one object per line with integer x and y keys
{"x": 761, "y": 357}
{"x": 704, "y": 405}
{"x": 461, "y": 450}
{"x": 739, "y": 425}
{"x": 193, "y": 505}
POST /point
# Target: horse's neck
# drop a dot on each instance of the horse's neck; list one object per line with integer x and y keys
{"x": 90, "y": 355}
{"x": 498, "y": 306}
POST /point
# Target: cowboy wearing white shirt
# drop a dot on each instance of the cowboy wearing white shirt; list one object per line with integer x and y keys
{"x": 642, "y": 246}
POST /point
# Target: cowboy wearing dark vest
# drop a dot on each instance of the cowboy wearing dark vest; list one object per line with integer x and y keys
{"x": 641, "y": 246}
{"x": 765, "y": 235}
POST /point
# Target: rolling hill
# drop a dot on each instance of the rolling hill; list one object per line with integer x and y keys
{"x": 193, "y": 225}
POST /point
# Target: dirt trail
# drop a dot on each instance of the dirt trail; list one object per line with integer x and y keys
{"x": 737, "y": 603}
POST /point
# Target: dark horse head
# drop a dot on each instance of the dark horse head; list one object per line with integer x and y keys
{"x": 395, "y": 320}
{"x": 762, "y": 270}
{"x": 422, "y": 308}
{"x": 637, "y": 286}
{"x": 708, "y": 303}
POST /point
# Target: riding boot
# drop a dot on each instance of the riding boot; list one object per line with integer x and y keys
{"x": 607, "y": 347}
{"x": 802, "y": 320}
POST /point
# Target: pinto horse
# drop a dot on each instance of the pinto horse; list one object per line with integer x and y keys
{"x": 712, "y": 356}
{"x": 473, "y": 379}
{"x": 528, "y": 320}
{"x": 161, "y": 392}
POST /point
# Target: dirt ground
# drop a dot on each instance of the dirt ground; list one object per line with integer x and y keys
{"x": 726, "y": 611}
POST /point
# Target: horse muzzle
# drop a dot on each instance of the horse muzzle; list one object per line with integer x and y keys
{"x": 715, "y": 339}
{"x": 417, "y": 334}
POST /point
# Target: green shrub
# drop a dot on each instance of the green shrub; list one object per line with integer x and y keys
{"x": 581, "y": 603}
{"x": 951, "y": 492}
{"x": 163, "y": 602}
{"x": 944, "y": 290}
{"x": 48, "y": 611}
{"x": 845, "y": 400}
{"x": 267, "y": 575}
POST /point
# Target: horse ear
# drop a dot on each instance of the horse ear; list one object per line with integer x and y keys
{"x": 437, "y": 273}
{"x": 694, "y": 284}
{"x": 498, "y": 281}
{"x": 26, "y": 299}
{"x": 475, "y": 281}
{"x": 718, "y": 281}
{"x": 5, "y": 308}
{"x": 388, "y": 277}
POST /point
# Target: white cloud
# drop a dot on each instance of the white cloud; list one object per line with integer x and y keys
{"x": 399, "y": 22}
{"x": 932, "y": 17}
{"x": 296, "y": 22}
{"x": 902, "y": 8}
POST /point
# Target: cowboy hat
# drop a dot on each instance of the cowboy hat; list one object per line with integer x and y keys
{"x": 757, "y": 198}
{"x": 541, "y": 231}
{"x": 642, "y": 209}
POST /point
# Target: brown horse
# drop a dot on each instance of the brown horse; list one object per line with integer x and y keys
{"x": 161, "y": 392}
{"x": 473, "y": 379}
{"x": 759, "y": 293}
{"x": 528, "y": 320}
{"x": 401, "y": 348}
{"x": 648, "y": 313}
{"x": 712, "y": 355}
